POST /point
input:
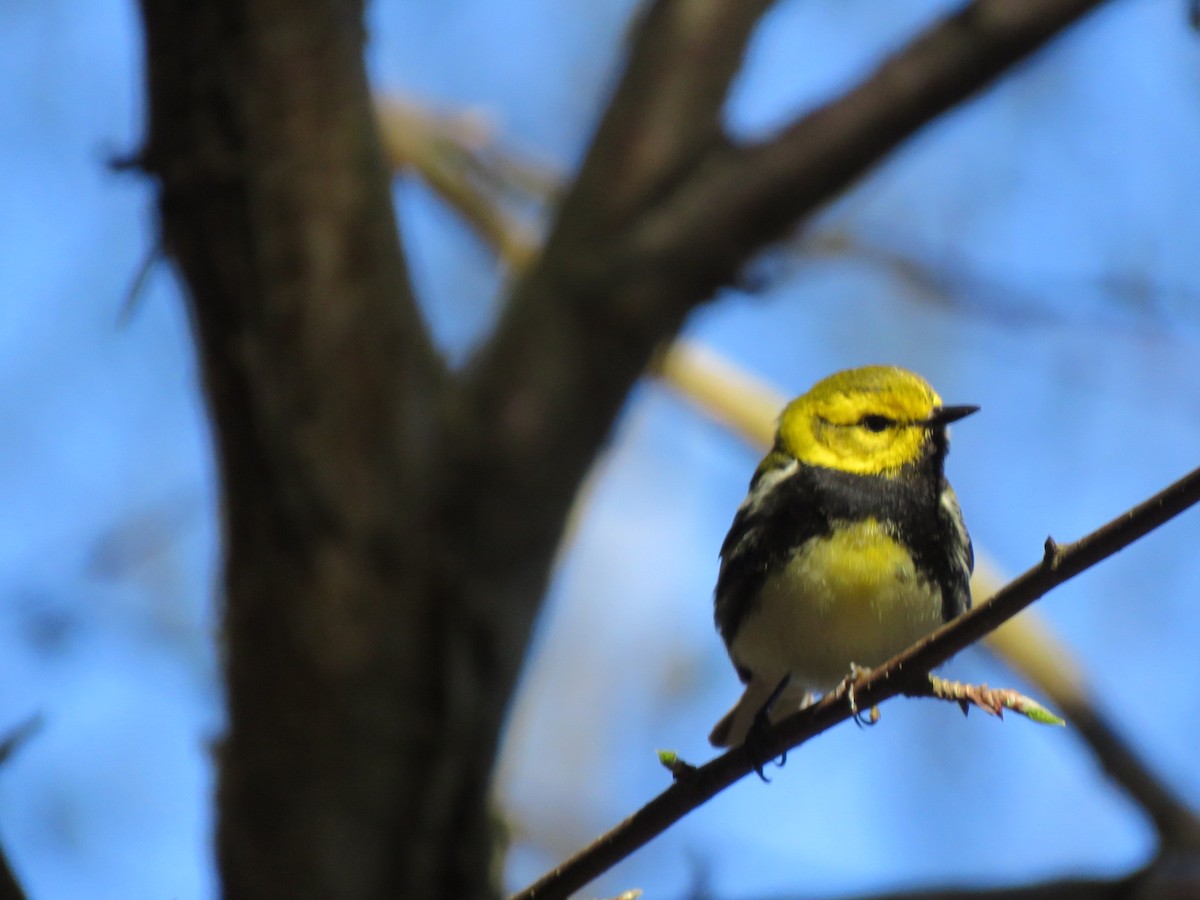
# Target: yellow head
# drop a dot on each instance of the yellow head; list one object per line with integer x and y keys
{"x": 869, "y": 421}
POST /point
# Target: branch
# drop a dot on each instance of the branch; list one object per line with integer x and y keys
{"x": 748, "y": 407}
{"x": 19, "y": 736}
{"x": 1059, "y": 564}
{"x": 665, "y": 212}
{"x": 10, "y": 888}
{"x": 458, "y": 158}
{"x": 753, "y": 196}
{"x": 1161, "y": 880}
{"x": 722, "y": 391}
{"x": 666, "y": 113}
{"x": 577, "y": 332}
{"x": 1032, "y": 649}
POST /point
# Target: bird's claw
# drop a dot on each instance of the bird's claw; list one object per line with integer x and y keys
{"x": 847, "y": 687}
{"x": 760, "y": 730}
{"x": 756, "y": 739}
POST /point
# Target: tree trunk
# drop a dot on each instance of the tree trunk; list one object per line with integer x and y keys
{"x": 390, "y": 526}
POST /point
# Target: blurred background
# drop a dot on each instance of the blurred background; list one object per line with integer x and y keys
{"x": 1033, "y": 253}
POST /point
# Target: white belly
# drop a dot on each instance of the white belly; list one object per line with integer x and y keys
{"x": 851, "y": 598}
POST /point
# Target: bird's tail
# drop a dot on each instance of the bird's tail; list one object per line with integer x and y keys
{"x": 735, "y": 724}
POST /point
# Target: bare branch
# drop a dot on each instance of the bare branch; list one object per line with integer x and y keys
{"x": 457, "y": 157}
{"x": 1027, "y": 645}
{"x": 19, "y": 736}
{"x": 664, "y": 212}
{"x": 1059, "y": 564}
{"x": 388, "y": 536}
{"x": 580, "y": 328}
{"x": 722, "y": 391}
{"x": 1161, "y": 880}
{"x": 10, "y": 888}
{"x": 751, "y": 197}
{"x": 993, "y": 701}
{"x": 666, "y": 113}
{"x": 748, "y": 407}
{"x": 1177, "y": 825}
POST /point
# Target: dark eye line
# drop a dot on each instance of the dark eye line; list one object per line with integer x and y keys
{"x": 875, "y": 422}
{"x": 872, "y": 422}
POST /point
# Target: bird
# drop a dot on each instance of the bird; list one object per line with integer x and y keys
{"x": 849, "y": 546}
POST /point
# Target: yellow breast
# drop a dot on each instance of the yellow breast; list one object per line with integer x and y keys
{"x": 852, "y": 597}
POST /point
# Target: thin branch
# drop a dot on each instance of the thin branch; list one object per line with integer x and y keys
{"x": 667, "y": 111}
{"x": 10, "y": 888}
{"x": 19, "y": 736}
{"x": 1059, "y": 564}
{"x": 993, "y": 701}
{"x": 664, "y": 115}
{"x": 650, "y": 229}
{"x": 457, "y": 157}
{"x": 1027, "y": 644}
{"x": 1177, "y": 825}
{"x": 137, "y": 285}
{"x": 751, "y": 197}
{"x": 722, "y": 391}
{"x": 577, "y": 332}
{"x": 1158, "y": 881}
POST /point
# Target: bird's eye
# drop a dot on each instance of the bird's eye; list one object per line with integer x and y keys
{"x": 876, "y": 423}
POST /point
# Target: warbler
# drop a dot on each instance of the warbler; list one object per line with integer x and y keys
{"x": 849, "y": 546}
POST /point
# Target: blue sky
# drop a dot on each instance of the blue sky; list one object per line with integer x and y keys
{"x": 1032, "y": 253}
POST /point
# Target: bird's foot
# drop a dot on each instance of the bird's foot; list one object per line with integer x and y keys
{"x": 847, "y": 688}
{"x": 760, "y": 729}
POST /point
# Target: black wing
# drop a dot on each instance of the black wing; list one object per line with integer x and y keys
{"x": 792, "y": 505}
{"x": 780, "y": 513}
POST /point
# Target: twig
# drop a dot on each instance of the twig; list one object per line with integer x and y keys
{"x": 541, "y": 394}
{"x": 754, "y": 195}
{"x": 10, "y": 888}
{"x": 667, "y": 113}
{"x": 1059, "y": 564}
{"x": 732, "y": 396}
{"x": 748, "y": 406}
{"x": 993, "y": 701}
{"x": 652, "y": 227}
{"x": 133, "y": 296}
{"x": 16, "y": 739}
{"x": 1031, "y": 648}
{"x": 456, "y": 156}
{"x": 1158, "y": 881}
